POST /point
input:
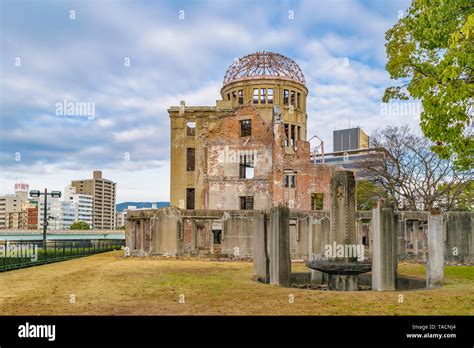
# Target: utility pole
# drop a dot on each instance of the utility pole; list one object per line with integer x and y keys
{"x": 37, "y": 194}
{"x": 45, "y": 214}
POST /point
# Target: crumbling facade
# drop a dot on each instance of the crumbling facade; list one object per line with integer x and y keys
{"x": 234, "y": 163}
{"x": 249, "y": 152}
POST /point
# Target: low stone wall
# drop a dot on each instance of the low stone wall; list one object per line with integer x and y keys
{"x": 171, "y": 231}
{"x": 176, "y": 232}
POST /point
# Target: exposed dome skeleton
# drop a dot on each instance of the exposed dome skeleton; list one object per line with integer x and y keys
{"x": 266, "y": 64}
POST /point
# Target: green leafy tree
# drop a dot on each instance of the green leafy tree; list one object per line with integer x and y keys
{"x": 460, "y": 197}
{"x": 368, "y": 194}
{"x": 431, "y": 52}
{"x": 80, "y": 225}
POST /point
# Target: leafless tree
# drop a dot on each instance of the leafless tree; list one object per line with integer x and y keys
{"x": 414, "y": 176}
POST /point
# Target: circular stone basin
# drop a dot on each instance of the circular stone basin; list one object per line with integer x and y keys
{"x": 340, "y": 267}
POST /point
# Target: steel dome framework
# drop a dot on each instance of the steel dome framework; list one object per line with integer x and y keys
{"x": 266, "y": 64}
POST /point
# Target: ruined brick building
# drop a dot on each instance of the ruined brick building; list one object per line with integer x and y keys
{"x": 233, "y": 162}
{"x": 250, "y": 150}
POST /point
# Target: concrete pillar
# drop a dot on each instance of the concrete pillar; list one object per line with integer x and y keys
{"x": 325, "y": 232}
{"x": 404, "y": 231}
{"x": 314, "y": 242}
{"x": 142, "y": 236}
{"x": 280, "y": 262}
{"x": 130, "y": 234}
{"x": 435, "y": 262}
{"x": 385, "y": 251}
{"x": 167, "y": 230}
{"x": 261, "y": 262}
{"x": 343, "y": 213}
{"x": 460, "y": 236}
{"x": 319, "y": 237}
{"x": 343, "y": 227}
{"x": 400, "y": 228}
{"x": 416, "y": 231}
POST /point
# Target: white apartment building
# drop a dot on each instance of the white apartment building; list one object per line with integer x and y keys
{"x": 83, "y": 204}
{"x": 63, "y": 212}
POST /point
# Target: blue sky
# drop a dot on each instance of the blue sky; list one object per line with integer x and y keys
{"x": 171, "y": 59}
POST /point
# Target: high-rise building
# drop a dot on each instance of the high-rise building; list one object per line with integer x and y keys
{"x": 32, "y": 218}
{"x": 352, "y": 151}
{"x": 29, "y": 210}
{"x": 103, "y": 193}
{"x": 350, "y": 139}
{"x": 12, "y": 204}
{"x": 8, "y": 203}
{"x": 83, "y": 204}
{"x": 14, "y": 219}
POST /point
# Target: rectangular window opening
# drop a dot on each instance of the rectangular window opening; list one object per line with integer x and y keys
{"x": 285, "y": 96}
{"x": 245, "y": 128}
{"x": 241, "y": 97}
{"x": 246, "y": 203}
{"x": 292, "y": 100}
{"x": 317, "y": 201}
{"x": 287, "y": 136}
{"x": 189, "y": 198}
{"x": 292, "y": 181}
{"x": 191, "y": 128}
{"x": 190, "y": 159}
{"x": 292, "y": 135}
{"x": 263, "y": 95}
{"x": 270, "y": 96}
{"x": 255, "y": 96}
{"x": 217, "y": 236}
{"x": 246, "y": 166}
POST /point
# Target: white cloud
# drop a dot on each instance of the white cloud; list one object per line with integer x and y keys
{"x": 171, "y": 60}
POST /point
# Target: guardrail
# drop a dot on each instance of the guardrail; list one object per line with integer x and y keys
{"x": 20, "y": 254}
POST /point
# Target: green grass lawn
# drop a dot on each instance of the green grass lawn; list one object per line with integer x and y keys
{"x": 110, "y": 284}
